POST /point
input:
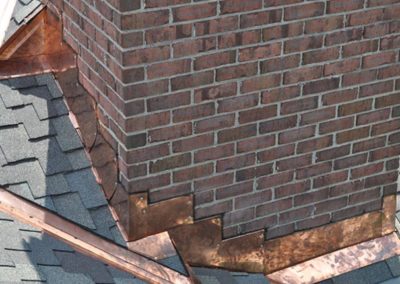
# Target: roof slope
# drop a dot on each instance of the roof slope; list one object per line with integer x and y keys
{"x": 42, "y": 157}
{"x": 27, "y": 254}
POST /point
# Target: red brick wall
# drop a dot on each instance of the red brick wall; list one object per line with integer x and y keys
{"x": 277, "y": 114}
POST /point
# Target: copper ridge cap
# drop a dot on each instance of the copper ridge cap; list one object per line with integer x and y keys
{"x": 87, "y": 242}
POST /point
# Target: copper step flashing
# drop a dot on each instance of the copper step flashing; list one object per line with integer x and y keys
{"x": 87, "y": 242}
{"x": 36, "y": 48}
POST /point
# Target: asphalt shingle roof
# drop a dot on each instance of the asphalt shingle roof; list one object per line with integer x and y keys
{"x": 23, "y": 11}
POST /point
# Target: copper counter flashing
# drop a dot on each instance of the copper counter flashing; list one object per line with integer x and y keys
{"x": 36, "y": 48}
{"x": 201, "y": 244}
{"x": 339, "y": 262}
{"x": 86, "y": 242}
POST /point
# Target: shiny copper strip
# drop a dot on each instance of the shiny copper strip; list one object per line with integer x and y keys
{"x": 389, "y": 211}
{"x": 201, "y": 243}
{"x": 146, "y": 220}
{"x": 158, "y": 246}
{"x": 339, "y": 262}
{"x": 86, "y": 242}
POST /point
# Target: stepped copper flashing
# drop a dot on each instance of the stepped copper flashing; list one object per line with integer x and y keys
{"x": 86, "y": 242}
{"x": 339, "y": 262}
{"x": 201, "y": 244}
{"x": 40, "y": 44}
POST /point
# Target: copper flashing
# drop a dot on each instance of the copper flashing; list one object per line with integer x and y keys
{"x": 37, "y": 48}
{"x": 87, "y": 242}
{"x": 146, "y": 220}
{"x": 339, "y": 262}
{"x": 201, "y": 244}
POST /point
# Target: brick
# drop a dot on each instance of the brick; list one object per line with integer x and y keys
{"x": 302, "y": 74}
{"x": 166, "y": 33}
{"x": 381, "y": 179}
{"x": 337, "y": 6}
{"x": 299, "y": 105}
{"x": 293, "y": 163}
{"x": 295, "y": 214}
{"x": 258, "y": 224}
{"x": 145, "y": 154}
{"x": 296, "y": 45}
{"x": 365, "y": 17}
{"x": 274, "y": 207}
{"x": 215, "y": 59}
{"x": 213, "y": 182}
{"x": 340, "y": 37}
{"x": 238, "y": 103}
{"x": 315, "y": 144}
{"x": 236, "y": 162}
{"x": 239, "y": 216}
{"x": 143, "y": 20}
{"x": 329, "y": 205}
{"x": 193, "y": 12}
{"x": 350, "y": 162}
{"x": 361, "y": 77}
{"x": 164, "y": 3}
{"x": 192, "y": 80}
{"x": 313, "y": 170}
{"x": 193, "y": 112}
{"x": 311, "y": 197}
{"x": 282, "y": 31}
{"x": 255, "y": 143}
{"x": 260, "y": 83}
{"x": 239, "y": 39}
{"x": 168, "y": 102}
{"x": 170, "y": 163}
{"x": 257, "y": 114}
{"x": 260, "y": 18}
{"x": 280, "y": 63}
{"x": 383, "y": 153}
{"x": 233, "y": 6}
{"x": 369, "y": 144}
{"x": 253, "y": 199}
{"x": 167, "y": 69}
{"x": 145, "y": 55}
{"x": 218, "y": 25}
{"x": 341, "y": 67}
{"x": 364, "y": 196}
{"x": 373, "y": 116}
{"x": 388, "y": 100}
{"x": 333, "y": 153}
{"x": 189, "y": 144}
{"x": 254, "y": 172}
{"x": 275, "y": 153}
{"x": 194, "y": 46}
{"x": 203, "y": 197}
{"x": 376, "y": 88}
{"x": 329, "y": 179}
{"x": 260, "y": 52}
{"x": 320, "y": 86}
{"x": 237, "y": 133}
{"x": 316, "y": 116}
{"x": 323, "y": 24}
{"x": 339, "y": 96}
{"x": 144, "y": 184}
{"x": 356, "y": 107}
{"x": 346, "y": 188}
{"x": 278, "y": 124}
{"x": 297, "y": 134}
{"x": 237, "y": 71}
{"x": 215, "y": 92}
{"x": 352, "y": 135}
{"x": 192, "y": 173}
{"x": 169, "y": 133}
{"x": 313, "y": 222}
{"x": 213, "y": 210}
{"x": 375, "y": 60}
{"x": 214, "y": 153}
{"x": 304, "y": 11}
{"x": 214, "y": 123}
{"x": 385, "y": 127}
{"x": 360, "y": 47}
{"x": 235, "y": 190}
{"x": 280, "y": 94}
{"x": 274, "y": 180}
{"x": 170, "y": 192}
{"x": 320, "y": 55}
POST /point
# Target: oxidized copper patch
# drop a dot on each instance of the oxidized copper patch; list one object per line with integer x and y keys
{"x": 146, "y": 220}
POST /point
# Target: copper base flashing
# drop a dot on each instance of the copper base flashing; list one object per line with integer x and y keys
{"x": 339, "y": 262}
{"x": 37, "y": 48}
{"x": 201, "y": 244}
{"x": 87, "y": 242}
{"x": 146, "y": 220}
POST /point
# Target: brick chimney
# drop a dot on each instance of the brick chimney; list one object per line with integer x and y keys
{"x": 281, "y": 115}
